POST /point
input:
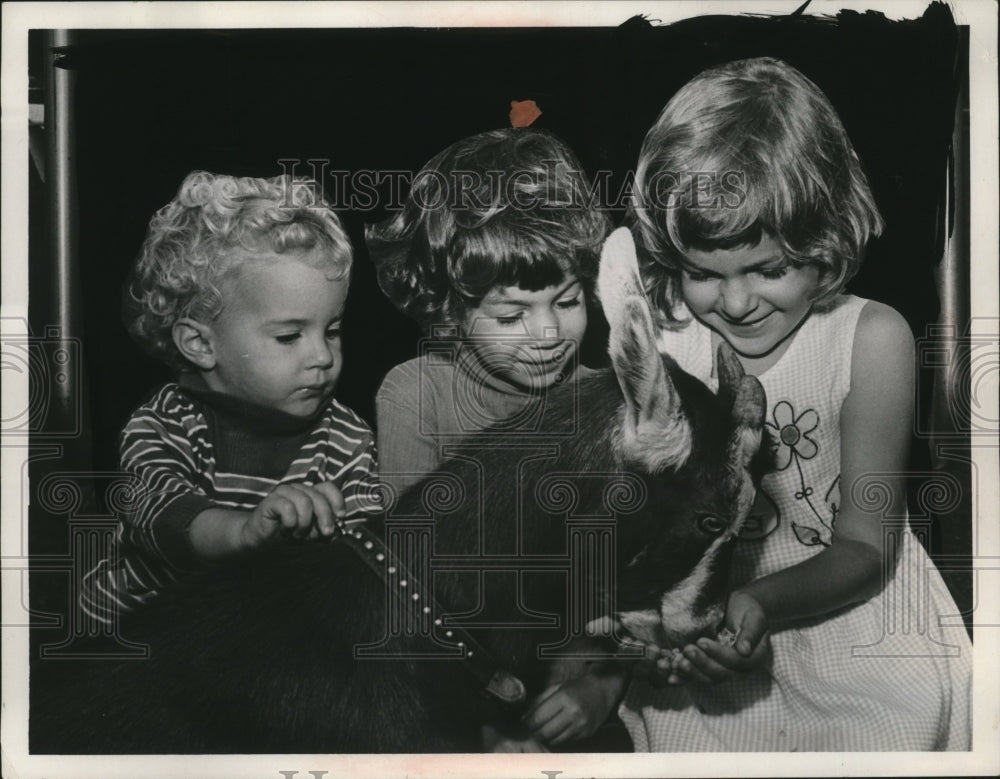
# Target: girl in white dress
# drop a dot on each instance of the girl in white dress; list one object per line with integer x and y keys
{"x": 751, "y": 213}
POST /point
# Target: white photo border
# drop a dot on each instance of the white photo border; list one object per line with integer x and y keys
{"x": 19, "y": 18}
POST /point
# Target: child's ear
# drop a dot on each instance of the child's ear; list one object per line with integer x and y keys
{"x": 194, "y": 341}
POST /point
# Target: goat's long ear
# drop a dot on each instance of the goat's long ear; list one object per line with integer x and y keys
{"x": 655, "y": 429}
{"x": 730, "y": 371}
{"x": 745, "y": 397}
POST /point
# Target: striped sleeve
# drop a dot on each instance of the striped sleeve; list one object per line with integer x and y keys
{"x": 157, "y": 449}
{"x": 352, "y": 462}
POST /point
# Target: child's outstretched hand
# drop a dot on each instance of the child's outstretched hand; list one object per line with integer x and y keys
{"x": 576, "y": 708}
{"x": 711, "y": 661}
{"x": 296, "y": 510}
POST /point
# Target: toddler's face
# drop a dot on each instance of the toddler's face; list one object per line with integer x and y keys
{"x": 277, "y": 341}
{"x": 752, "y": 296}
{"x": 527, "y": 337}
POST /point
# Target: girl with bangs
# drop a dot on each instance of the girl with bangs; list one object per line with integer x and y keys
{"x": 752, "y": 212}
{"x": 495, "y": 254}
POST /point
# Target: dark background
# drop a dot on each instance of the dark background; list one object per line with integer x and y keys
{"x": 152, "y": 105}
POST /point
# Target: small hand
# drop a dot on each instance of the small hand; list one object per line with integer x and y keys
{"x": 297, "y": 510}
{"x": 656, "y": 668}
{"x": 327, "y": 525}
{"x": 712, "y": 661}
{"x": 576, "y": 708}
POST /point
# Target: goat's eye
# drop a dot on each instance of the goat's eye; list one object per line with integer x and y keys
{"x": 711, "y": 524}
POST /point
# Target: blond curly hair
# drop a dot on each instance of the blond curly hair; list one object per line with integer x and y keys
{"x": 214, "y": 224}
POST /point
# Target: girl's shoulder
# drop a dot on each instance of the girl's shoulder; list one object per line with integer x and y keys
{"x": 840, "y": 308}
{"x": 859, "y": 340}
{"x": 401, "y": 376}
{"x": 882, "y": 326}
{"x": 429, "y": 373}
{"x": 872, "y": 329}
{"x": 830, "y": 331}
{"x": 883, "y": 343}
{"x": 848, "y": 334}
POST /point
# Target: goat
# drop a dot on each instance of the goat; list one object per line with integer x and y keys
{"x": 292, "y": 650}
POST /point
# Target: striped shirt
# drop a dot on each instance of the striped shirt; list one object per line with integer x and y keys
{"x": 186, "y": 452}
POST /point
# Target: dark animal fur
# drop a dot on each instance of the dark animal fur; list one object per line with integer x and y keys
{"x": 256, "y": 656}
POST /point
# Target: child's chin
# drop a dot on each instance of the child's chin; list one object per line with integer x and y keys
{"x": 535, "y": 379}
{"x": 535, "y": 385}
{"x": 303, "y": 407}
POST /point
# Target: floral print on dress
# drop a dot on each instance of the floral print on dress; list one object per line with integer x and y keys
{"x": 791, "y": 433}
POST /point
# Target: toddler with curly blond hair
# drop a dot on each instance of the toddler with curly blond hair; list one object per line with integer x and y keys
{"x": 240, "y": 286}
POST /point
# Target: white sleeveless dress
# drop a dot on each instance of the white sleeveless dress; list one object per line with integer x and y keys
{"x": 892, "y": 673}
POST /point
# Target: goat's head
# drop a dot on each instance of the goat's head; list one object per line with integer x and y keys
{"x": 696, "y": 452}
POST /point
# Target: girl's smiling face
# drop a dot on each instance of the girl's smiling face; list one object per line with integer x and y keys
{"x": 527, "y": 337}
{"x": 754, "y": 297}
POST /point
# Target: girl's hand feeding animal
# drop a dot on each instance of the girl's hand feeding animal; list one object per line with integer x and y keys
{"x": 757, "y": 253}
{"x": 743, "y": 645}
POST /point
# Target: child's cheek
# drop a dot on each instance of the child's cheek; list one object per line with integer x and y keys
{"x": 576, "y": 326}
{"x": 338, "y": 362}
{"x": 696, "y": 296}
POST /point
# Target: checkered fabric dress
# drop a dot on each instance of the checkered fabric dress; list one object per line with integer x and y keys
{"x": 880, "y": 675}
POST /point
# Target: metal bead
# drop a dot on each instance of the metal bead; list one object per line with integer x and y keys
{"x": 461, "y": 643}
{"x": 437, "y": 621}
{"x": 380, "y": 557}
{"x": 449, "y": 633}
{"x": 402, "y": 582}
{"x": 369, "y": 544}
{"x": 427, "y": 609}
{"x": 392, "y": 569}
{"x": 469, "y": 653}
{"x": 415, "y": 596}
